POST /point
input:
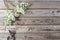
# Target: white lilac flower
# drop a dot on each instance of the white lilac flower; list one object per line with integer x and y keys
{"x": 18, "y": 10}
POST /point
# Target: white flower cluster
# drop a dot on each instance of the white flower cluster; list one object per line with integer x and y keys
{"x": 21, "y": 7}
{"x": 18, "y": 10}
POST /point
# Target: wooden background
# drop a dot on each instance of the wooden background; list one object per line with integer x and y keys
{"x": 40, "y": 22}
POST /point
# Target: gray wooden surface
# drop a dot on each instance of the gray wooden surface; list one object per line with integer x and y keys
{"x": 40, "y": 22}
{"x": 35, "y": 3}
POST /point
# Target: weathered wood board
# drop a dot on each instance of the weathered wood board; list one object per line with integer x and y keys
{"x": 32, "y": 0}
{"x": 36, "y": 4}
{"x": 32, "y": 28}
{"x": 43, "y": 35}
{"x": 36, "y": 17}
{"x": 40, "y": 22}
{"x": 36, "y": 13}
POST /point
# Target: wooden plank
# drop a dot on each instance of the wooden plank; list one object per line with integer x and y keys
{"x": 40, "y": 12}
{"x": 47, "y": 35}
{"x": 37, "y": 28}
{"x": 38, "y": 21}
{"x": 40, "y": 35}
{"x": 29, "y": 13}
{"x": 36, "y": 17}
{"x": 31, "y": 28}
{"x": 39, "y": 0}
{"x": 36, "y": 5}
{"x": 35, "y": 21}
{"x": 35, "y": 13}
{"x": 34, "y": 0}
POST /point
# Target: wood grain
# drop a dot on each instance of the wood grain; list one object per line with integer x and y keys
{"x": 35, "y": 5}
{"x": 41, "y": 35}
{"x": 39, "y": 21}
{"x": 32, "y": 0}
{"x": 35, "y": 13}
{"x": 47, "y": 35}
{"x": 32, "y": 28}
{"x": 37, "y": 28}
{"x": 36, "y": 17}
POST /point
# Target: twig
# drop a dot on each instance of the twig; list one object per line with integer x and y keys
{"x": 6, "y": 4}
